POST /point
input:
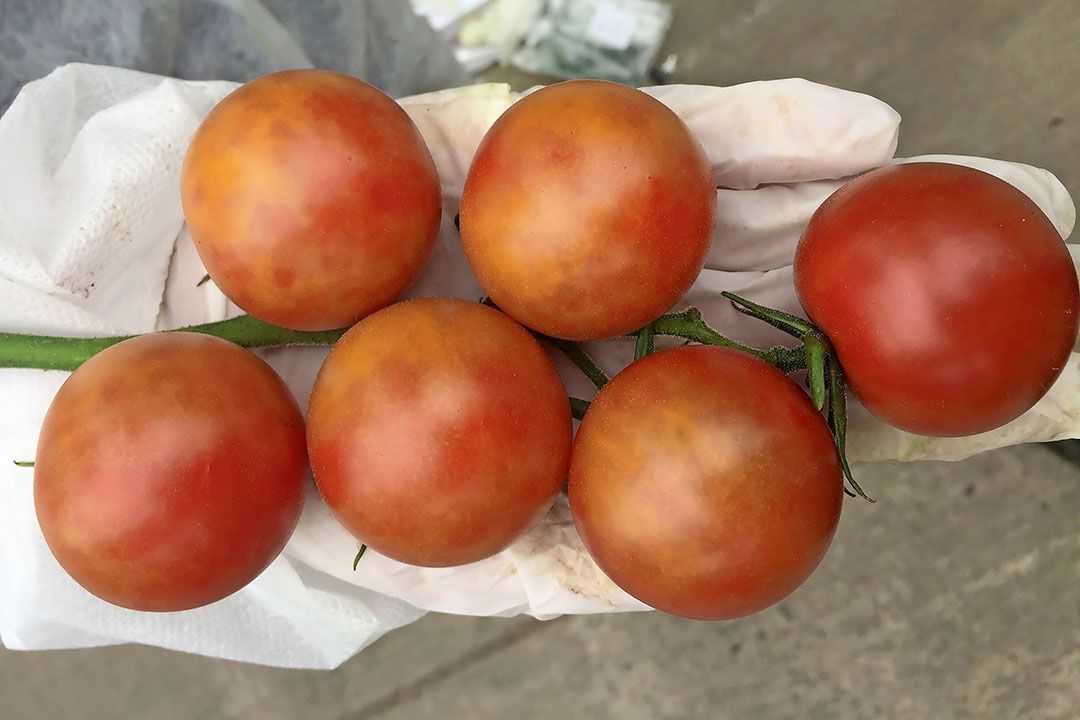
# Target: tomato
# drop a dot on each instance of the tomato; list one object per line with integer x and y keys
{"x": 704, "y": 482}
{"x": 587, "y": 210}
{"x": 439, "y": 431}
{"x": 948, "y": 295}
{"x": 311, "y": 197}
{"x": 170, "y": 471}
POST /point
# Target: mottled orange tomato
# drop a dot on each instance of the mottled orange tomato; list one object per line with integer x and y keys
{"x": 704, "y": 482}
{"x": 169, "y": 471}
{"x": 311, "y": 197}
{"x": 588, "y": 209}
{"x": 439, "y": 431}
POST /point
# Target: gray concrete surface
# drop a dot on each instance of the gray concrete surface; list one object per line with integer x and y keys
{"x": 956, "y": 596}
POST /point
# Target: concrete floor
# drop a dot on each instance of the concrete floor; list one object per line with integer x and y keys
{"x": 954, "y": 597}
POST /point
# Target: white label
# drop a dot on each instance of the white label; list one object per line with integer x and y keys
{"x": 611, "y": 27}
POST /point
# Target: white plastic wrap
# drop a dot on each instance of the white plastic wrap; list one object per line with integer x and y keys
{"x": 90, "y": 217}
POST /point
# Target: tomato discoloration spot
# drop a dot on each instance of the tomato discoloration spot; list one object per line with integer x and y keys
{"x": 284, "y": 277}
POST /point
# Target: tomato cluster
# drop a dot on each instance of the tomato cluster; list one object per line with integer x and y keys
{"x": 704, "y": 481}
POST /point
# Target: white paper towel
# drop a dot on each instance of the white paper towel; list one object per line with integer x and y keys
{"x": 92, "y": 242}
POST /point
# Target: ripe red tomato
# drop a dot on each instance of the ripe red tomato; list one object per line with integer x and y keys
{"x": 439, "y": 431}
{"x": 948, "y": 295}
{"x": 588, "y": 210}
{"x": 311, "y": 197}
{"x": 704, "y": 482}
{"x": 169, "y": 471}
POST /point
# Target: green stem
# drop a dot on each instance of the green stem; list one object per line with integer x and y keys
{"x": 579, "y": 357}
{"x": 359, "y": 554}
{"x": 791, "y": 324}
{"x": 690, "y": 325}
{"x": 24, "y": 463}
{"x": 645, "y": 337}
{"x": 61, "y": 353}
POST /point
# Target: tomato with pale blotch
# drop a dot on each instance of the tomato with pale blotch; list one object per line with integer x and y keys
{"x": 311, "y": 197}
{"x": 170, "y": 471}
{"x": 704, "y": 482}
{"x": 948, "y": 295}
{"x": 439, "y": 431}
{"x": 588, "y": 210}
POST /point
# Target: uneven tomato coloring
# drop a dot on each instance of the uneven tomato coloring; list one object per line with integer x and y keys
{"x": 170, "y": 471}
{"x": 439, "y": 431}
{"x": 588, "y": 210}
{"x": 312, "y": 198}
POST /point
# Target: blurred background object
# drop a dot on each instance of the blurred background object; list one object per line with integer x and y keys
{"x": 953, "y": 597}
{"x": 384, "y": 43}
{"x": 604, "y": 39}
{"x": 400, "y": 47}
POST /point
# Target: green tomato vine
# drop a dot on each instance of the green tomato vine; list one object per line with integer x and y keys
{"x": 814, "y": 354}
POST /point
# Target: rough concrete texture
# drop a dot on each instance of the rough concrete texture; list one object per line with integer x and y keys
{"x": 956, "y": 596}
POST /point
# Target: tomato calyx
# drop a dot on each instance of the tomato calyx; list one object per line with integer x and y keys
{"x": 837, "y": 419}
{"x": 825, "y": 376}
{"x": 815, "y": 348}
{"x": 815, "y": 355}
{"x": 690, "y": 325}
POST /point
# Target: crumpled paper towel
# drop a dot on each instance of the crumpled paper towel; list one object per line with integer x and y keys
{"x": 92, "y": 242}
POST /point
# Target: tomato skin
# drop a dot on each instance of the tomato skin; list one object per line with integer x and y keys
{"x": 949, "y": 296}
{"x": 170, "y": 471}
{"x": 312, "y": 198}
{"x": 588, "y": 210}
{"x": 704, "y": 483}
{"x": 439, "y": 431}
